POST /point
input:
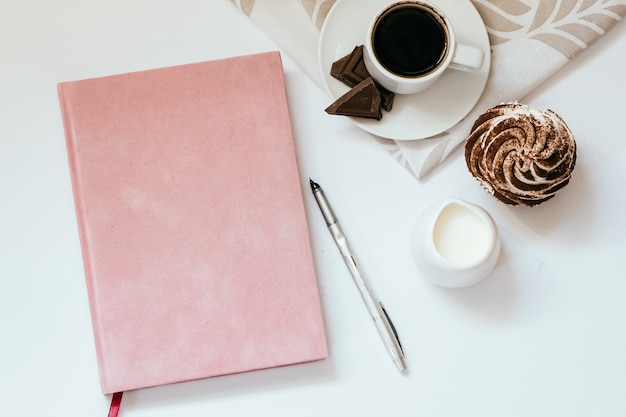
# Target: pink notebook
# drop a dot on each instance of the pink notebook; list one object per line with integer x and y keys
{"x": 192, "y": 224}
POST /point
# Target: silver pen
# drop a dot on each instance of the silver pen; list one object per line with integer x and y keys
{"x": 383, "y": 323}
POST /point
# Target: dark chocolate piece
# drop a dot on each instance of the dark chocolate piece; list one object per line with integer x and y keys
{"x": 386, "y": 97}
{"x": 354, "y": 70}
{"x": 351, "y": 70}
{"x": 363, "y": 100}
{"x": 336, "y": 70}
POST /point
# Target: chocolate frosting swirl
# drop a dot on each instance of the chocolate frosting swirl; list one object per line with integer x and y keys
{"x": 520, "y": 154}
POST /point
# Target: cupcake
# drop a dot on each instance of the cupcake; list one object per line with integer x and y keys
{"x": 521, "y": 154}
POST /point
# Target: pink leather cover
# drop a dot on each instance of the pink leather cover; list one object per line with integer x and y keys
{"x": 192, "y": 224}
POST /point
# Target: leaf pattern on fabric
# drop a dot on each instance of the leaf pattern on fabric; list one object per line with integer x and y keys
{"x": 497, "y": 20}
{"x": 567, "y": 26}
{"x": 246, "y": 6}
{"x": 392, "y": 150}
{"x": 542, "y": 13}
{"x": 317, "y": 10}
{"x": 514, "y": 7}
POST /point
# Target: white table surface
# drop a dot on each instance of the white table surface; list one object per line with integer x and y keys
{"x": 544, "y": 335}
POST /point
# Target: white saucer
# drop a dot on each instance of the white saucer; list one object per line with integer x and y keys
{"x": 414, "y": 116}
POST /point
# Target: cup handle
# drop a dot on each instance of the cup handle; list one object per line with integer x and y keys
{"x": 467, "y": 58}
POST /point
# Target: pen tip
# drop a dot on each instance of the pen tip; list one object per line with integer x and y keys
{"x": 314, "y": 185}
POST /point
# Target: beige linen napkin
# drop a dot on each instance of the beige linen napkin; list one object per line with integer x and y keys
{"x": 530, "y": 40}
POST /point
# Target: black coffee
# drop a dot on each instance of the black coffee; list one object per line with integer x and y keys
{"x": 409, "y": 41}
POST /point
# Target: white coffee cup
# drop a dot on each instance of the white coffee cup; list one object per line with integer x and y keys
{"x": 411, "y": 43}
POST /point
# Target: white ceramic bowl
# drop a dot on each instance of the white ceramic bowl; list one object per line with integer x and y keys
{"x": 455, "y": 243}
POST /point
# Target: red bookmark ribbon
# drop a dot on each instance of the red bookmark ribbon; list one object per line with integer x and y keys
{"x": 116, "y": 402}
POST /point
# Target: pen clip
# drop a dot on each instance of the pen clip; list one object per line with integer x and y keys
{"x": 390, "y": 324}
